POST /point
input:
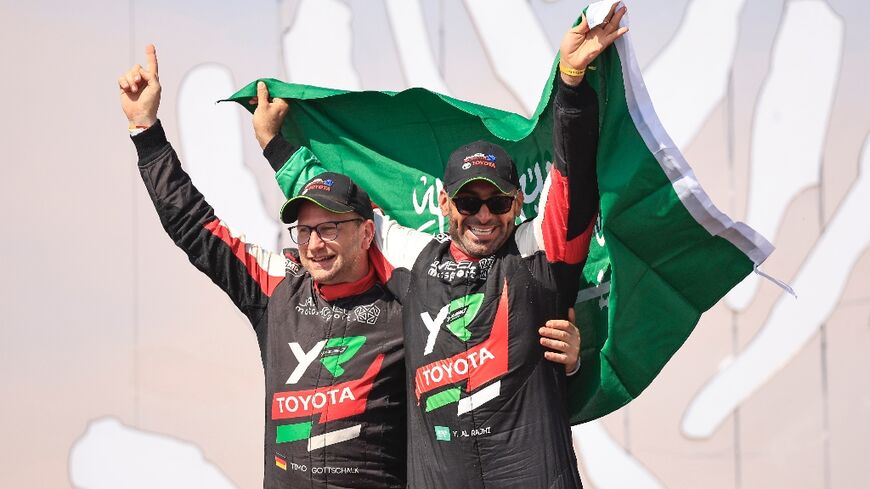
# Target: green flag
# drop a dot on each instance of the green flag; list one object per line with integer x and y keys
{"x": 662, "y": 252}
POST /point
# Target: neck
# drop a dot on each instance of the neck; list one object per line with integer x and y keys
{"x": 333, "y": 292}
{"x": 459, "y": 254}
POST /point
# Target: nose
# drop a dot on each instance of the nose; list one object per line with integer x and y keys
{"x": 315, "y": 242}
{"x": 484, "y": 215}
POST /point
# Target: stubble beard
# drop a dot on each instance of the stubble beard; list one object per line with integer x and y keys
{"x": 473, "y": 249}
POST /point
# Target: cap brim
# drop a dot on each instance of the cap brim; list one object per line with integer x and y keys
{"x": 290, "y": 209}
{"x": 502, "y": 185}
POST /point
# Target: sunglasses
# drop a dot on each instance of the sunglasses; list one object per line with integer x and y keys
{"x": 468, "y": 206}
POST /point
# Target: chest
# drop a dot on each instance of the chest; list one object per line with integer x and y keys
{"x": 311, "y": 343}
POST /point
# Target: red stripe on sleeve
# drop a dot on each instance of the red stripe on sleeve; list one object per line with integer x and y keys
{"x": 266, "y": 282}
{"x": 554, "y": 227}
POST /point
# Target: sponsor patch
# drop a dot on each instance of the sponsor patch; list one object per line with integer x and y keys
{"x": 475, "y": 366}
{"x": 442, "y": 433}
{"x": 479, "y": 159}
{"x": 454, "y": 315}
{"x": 333, "y": 312}
{"x": 449, "y": 270}
{"x": 336, "y": 401}
{"x": 307, "y": 308}
{"x": 293, "y": 268}
{"x": 441, "y": 237}
{"x": 318, "y": 184}
{"x": 367, "y": 314}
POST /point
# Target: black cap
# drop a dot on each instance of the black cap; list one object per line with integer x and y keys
{"x": 480, "y": 160}
{"x": 332, "y": 191}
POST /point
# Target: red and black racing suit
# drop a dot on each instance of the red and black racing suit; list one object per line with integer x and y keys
{"x": 335, "y": 396}
{"x": 485, "y": 410}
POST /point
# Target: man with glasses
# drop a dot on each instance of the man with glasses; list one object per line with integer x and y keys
{"x": 484, "y": 410}
{"x": 329, "y": 332}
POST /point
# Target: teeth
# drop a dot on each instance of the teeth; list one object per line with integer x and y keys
{"x": 480, "y": 231}
{"x": 317, "y": 260}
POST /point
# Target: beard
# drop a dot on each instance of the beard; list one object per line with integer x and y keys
{"x": 475, "y": 247}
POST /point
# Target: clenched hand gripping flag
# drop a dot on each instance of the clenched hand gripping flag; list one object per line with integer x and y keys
{"x": 662, "y": 253}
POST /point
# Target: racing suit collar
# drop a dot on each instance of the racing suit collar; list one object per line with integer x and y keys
{"x": 334, "y": 292}
{"x": 459, "y": 255}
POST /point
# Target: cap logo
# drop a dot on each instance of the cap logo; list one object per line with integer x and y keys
{"x": 318, "y": 184}
{"x": 478, "y": 159}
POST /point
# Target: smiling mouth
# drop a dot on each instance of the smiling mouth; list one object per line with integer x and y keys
{"x": 321, "y": 259}
{"x": 482, "y": 232}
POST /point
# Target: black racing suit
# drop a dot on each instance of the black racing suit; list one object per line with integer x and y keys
{"x": 484, "y": 407}
{"x": 335, "y": 396}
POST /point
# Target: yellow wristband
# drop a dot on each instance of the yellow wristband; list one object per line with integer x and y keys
{"x": 564, "y": 68}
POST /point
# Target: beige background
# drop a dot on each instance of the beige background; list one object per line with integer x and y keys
{"x": 104, "y": 322}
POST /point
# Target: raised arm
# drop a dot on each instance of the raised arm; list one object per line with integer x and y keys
{"x": 569, "y": 202}
{"x": 246, "y": 272}
{"x": 293, "y": 165}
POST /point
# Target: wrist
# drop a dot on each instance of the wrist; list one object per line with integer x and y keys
{"x": 575, "y": 369}
{"x": 571, "y": 75}
{"x": 141, "y": 122}
{"x": 264, "y": 138}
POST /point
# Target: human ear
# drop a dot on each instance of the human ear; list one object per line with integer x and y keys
{"x": 518, "y": 204}
{"x": 368, "y": 230}
{"x": 444, "y": 203}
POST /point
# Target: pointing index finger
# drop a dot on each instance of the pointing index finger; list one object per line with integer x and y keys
{"x": 262, "y": 94}
{"x": 151, "y": 56}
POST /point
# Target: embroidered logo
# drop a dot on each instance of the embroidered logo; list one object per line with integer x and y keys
{"x": 479, "y": 159}
{"x": 367, "y": 314}
{"x": 439, "y": 383}
{"x": 334, "y": 312}
{"x": 441, "y": 237}
{"x": 307, "y": 308}
{"x": 291, "y": 263}
{"x": 442, "y": 433}
{"x": 318, "y": 184}
{"x": 449, "y": 270}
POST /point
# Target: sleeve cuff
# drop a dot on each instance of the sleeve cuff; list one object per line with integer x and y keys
{"x": 150, "y": 141}
{"x": 278, "y": 151}
{"x": 568, "y": 96}
{"x": 576, "y": 367}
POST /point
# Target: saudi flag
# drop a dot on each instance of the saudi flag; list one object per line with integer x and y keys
{"x": 662, "y": 252}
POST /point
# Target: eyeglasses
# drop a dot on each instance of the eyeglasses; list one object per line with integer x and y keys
{"x": 498, "y": 204}
{"x": 327, "y": 231}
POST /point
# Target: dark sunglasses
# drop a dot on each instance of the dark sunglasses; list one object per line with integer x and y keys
{"x": 468, "y": 206}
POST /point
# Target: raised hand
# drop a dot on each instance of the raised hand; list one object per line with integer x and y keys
{"x": 268, "y": 116}
{"x": 581, "y": 45}
{"x": 140, "y": 91}
{"x": 563, "y": 339}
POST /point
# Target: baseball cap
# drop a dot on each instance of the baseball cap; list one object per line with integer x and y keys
{"x": 480, "y": 160}
{"x": 332, "y": 191}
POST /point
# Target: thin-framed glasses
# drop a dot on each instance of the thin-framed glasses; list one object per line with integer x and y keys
{"x": 328, "y": 231}
{"x": 498, "y": 204}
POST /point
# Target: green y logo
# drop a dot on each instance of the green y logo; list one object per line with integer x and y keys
{"x": 339, "y": 350}
{"x": 458, "y": 314}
